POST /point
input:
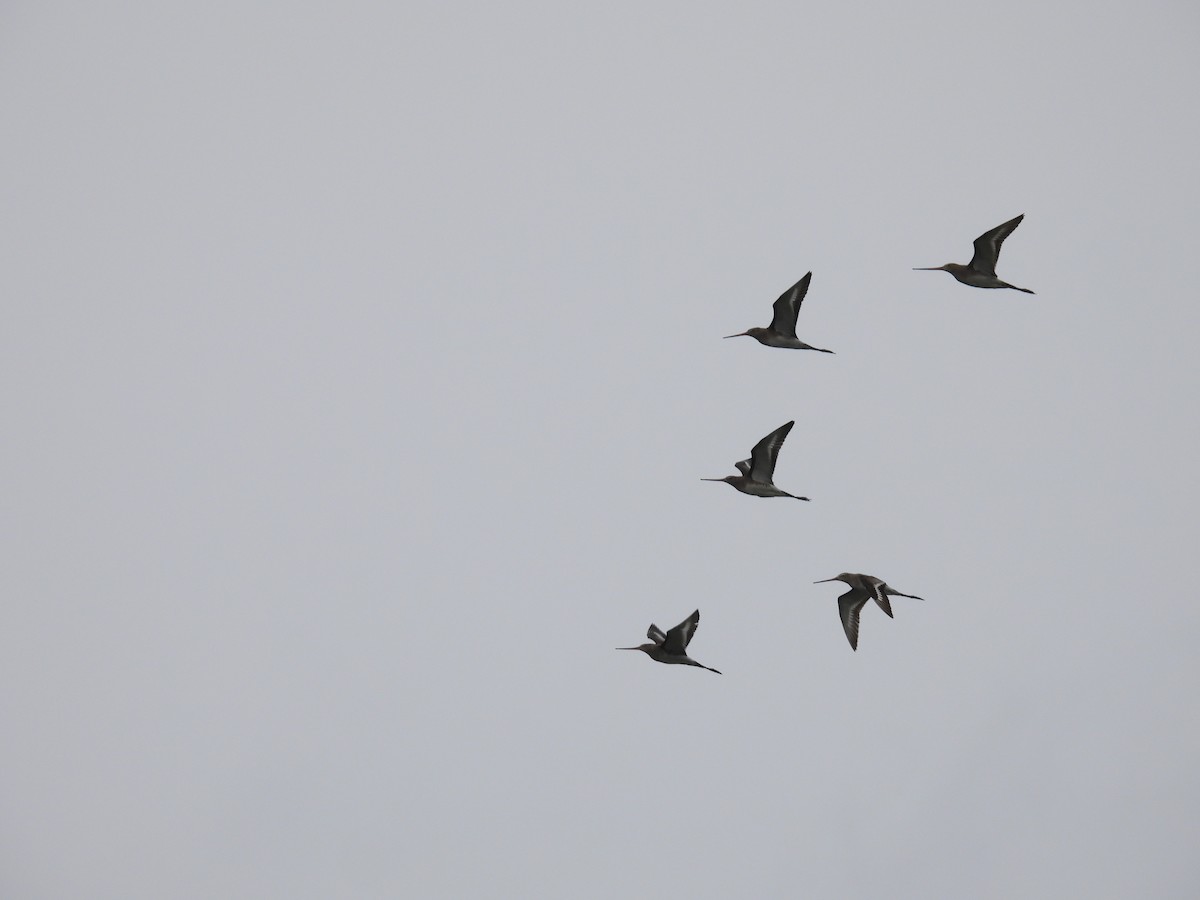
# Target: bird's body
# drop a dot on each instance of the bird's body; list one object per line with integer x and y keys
{"x": 862, "y": 589}
{"x": 981, "y": 271}
{"x": 782, "y": 330}
{"x": 755, "y": 488}
{"x": 759, "y": 470}
{"x": 671, "y": 647}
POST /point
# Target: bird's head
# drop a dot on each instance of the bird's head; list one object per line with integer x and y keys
{"x": 752, "y": 332}
{"x": 645, "y": 648}
{"x": 845, "y": 576}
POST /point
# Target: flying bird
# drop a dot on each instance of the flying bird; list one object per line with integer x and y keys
{"x": 981, "y": 272}
{"x": 782, "y": 330}
{"x": 862, "y": 589}
{"x": 671, "y": 647}
{"x": 758, "y": 470}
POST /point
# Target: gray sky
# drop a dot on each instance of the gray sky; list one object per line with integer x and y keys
{"x": 360, "y": 364}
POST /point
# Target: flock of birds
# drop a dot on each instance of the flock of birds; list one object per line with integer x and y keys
{"x": 756, "y": 474}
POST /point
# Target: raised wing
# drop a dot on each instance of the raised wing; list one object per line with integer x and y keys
{"x": 656, "y": 634}
{"x": 680, "y": 636}
{"x": 850, "y": 604}
{"x": 787, "y": 307}
{"x": 987, "y": 246}
{"x": 743, "y": 466}
{"x": 765, "y": 452}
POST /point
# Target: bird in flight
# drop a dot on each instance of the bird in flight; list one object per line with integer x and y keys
{"x": 782, "y": 330}
{"x": 862, "y": 589}
{"x": 981, "y": 272}
{"x": 671, "y": 647}
{"x": 759, "y": 469}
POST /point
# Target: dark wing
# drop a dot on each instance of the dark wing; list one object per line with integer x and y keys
{"x": 765, "y": 452}
{"x": 787, "y": 307}
{"x": 655, "y": 634}
{"x": 849, "y": 606}
{"x": 987, "y": 246}
{"x": 680, "y": 636}
{"x": 743, "y": 467}
{"x": 879, "y": 590}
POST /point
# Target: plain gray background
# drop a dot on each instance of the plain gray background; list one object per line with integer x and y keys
{"x": 360, "y": 364}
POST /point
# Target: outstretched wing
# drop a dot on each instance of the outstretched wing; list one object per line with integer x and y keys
{"x": 680, "y": 636}
{"x": 656, "y": 634}
{"x": 765, "y": 452}
{"x": 787, "y": 307}
{"x": 850, "y": 604}
{"x": 987, "y": 246}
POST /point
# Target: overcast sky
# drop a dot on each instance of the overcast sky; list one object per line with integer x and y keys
{"x": 360, "y": 363}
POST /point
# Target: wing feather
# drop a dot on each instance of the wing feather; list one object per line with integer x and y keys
{"x": 787, "y": 307}
{"x": 849, "y": 606}
{"x": 765, "y": 452}
{"x": 987, "y": 246}
{"x": 880, "y": 595}
{"x": 680, "y": 636}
